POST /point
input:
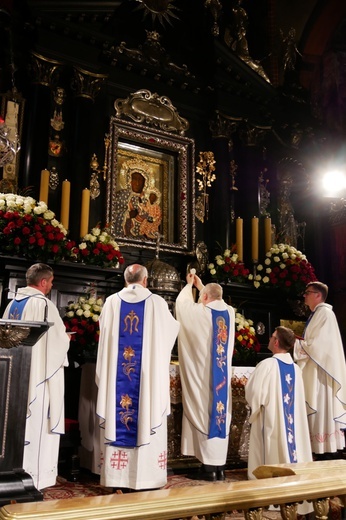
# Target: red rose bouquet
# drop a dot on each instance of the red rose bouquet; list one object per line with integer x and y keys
{"x": 246, "y": 343}
{"x": 227, "y": 267}
{"x": 82, "y": 318}
{"x": 29, "y": 229}
{"x": 285, "y": 268}
{"x": 98, "y": 248}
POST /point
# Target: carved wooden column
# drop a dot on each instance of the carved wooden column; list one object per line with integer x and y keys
{"x": 44, "y": 74}
{"x": 222, "y": 128}
{"x": 85, "y": 85}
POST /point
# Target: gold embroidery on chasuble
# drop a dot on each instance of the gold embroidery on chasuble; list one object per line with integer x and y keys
{"x": 131, "y": 322}
{"x": 129, "y": 364}
{"x": 221, "y": 360}
{"x": 126, "y": 403}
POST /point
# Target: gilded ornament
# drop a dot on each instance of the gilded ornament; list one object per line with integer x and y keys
{"x": 205, "y": 168}
{"x": 12, "y": 336}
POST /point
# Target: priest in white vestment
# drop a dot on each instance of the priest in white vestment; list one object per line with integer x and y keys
{"x": 206, "y": 342}
{"x": 137, "y": 334}
{"x": 279, "y": 431}
{"x": 320, "y": 355}
{"x": 45, "y": 420}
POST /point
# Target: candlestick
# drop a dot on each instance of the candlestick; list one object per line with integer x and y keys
{"x": 239, "y": 238}
{"x": 44, "y": 186}
{"x": 267, "y": 233}
{"x": 65, "y": 203}
{"x": 254, "y": 237}
{"x": 84, "y": 218}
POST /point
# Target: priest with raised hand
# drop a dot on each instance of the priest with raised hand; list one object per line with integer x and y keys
{"x": 206, "y": 342}
{"x": 137, "y": 334}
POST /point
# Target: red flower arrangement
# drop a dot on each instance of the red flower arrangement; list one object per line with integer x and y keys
{"x": 28, "y": 228}
{"x": 246, "y": 343}
{"x": 285, "y": 268}
{"x": 98, "y": 248}
{"x": 227, "y": 267}
{"x": 82, "y": 318}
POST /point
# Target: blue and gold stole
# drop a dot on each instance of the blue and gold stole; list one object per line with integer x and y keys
{"x": 287, "y": 376}
{"x": 129, "y": 373}
{"x": 217, "y": 425}
{"x": 16, "y": 309}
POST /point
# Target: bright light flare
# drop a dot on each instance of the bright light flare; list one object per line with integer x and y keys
{"x": 334, "y": 183}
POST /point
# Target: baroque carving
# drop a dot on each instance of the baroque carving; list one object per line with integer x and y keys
{"x": 215, "y": 8}
{"x": 235, "y": 38}
{"x": 153, "y": 110}
{"x": 222, "y": 126}
{"x": 148, "y": 55}
{"x": 289, "y": 511}
{"x": 44, "y": 71}
{"x": 86, "y": 84}
{"x": 321, "y": 508}
{"x": 12, "y": 336}
{"x": 253, "y": 135}
{"x": 253, "y": 514}
{"x": 289, "y": 230}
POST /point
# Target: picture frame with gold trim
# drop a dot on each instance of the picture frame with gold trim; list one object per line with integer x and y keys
{"x": 165, "y": 164}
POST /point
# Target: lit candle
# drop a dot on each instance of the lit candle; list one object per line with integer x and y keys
{"x": 254, "y": 237}
{"x": 65, "y": 203}
{"x": 267, "y": 233}
{"x": 44, "y": 186}
{"x": 239, "y": 238}
{"x": 84, "y": 217}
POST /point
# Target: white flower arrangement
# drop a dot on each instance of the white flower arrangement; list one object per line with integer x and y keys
{"x": 29, "y": 228}
{"x": 285, "y": 268}
{"x": 82, "y": 318}
{"x": 98, "y": 248}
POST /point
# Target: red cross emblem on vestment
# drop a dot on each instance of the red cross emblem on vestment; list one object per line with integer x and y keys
{"x": 163, "y": 460}
{"x": 119, "y": 459}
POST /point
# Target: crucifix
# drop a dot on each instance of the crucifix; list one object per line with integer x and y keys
{"x": 158, "y": 238}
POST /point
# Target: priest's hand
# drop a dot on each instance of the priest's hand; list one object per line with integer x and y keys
{"x": 198, "y": 283}
{"x": 190, "y": 278}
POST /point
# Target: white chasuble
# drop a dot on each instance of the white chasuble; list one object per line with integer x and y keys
{"x": 321, "y": 357}
{"x": 145, "y": 465}
{"x": 195, "y": 364}
{"x": 270, "y": 440}
{"x": 45, "y": 410}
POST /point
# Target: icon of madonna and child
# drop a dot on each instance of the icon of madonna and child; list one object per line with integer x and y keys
{"x": 138, "y": 211}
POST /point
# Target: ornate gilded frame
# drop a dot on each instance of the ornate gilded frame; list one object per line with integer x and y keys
{"x": 169, "y": 161}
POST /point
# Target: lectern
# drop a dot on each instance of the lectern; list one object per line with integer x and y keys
{"x": 16, "y": 341}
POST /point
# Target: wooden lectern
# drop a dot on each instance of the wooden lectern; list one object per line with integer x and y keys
{"x": 16, "y": 340}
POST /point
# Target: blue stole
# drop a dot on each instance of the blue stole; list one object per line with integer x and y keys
{"x": 128, "y": 373}
{"x": 287, "y": 389}
{"x": 219, "y": 374}
{"x": 16, "y": 310}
